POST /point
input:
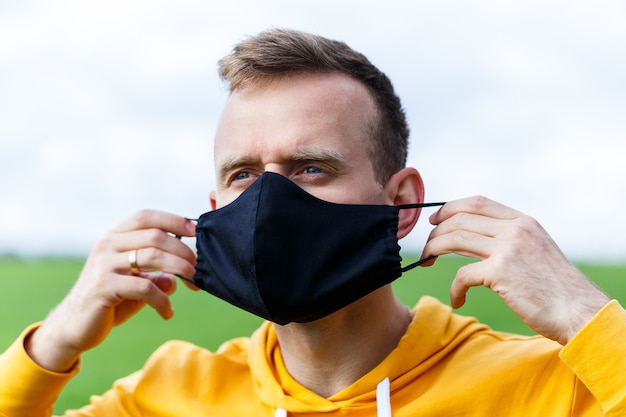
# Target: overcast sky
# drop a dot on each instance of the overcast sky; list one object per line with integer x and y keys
{"x": 109, "y": 107}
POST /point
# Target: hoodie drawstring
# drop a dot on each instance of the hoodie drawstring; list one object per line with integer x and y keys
{"x": 383, "y": 398}
{"x": 383, "y": 401}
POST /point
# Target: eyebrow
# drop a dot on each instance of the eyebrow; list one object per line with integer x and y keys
{"x": 328, "y": 156}
{"x": 232, "y": 163}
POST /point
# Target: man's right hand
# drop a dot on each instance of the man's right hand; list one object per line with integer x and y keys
{"x": 107, "y": 293}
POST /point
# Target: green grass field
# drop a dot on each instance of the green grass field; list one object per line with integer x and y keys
{"x": 30, "y": 288}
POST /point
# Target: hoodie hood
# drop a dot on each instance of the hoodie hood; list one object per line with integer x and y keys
{"x": 433, "y": 334}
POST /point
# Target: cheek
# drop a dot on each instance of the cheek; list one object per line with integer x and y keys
{"x": 350, "y": 192}
{"x": 372, "y": 193}
{"x": 223, "y": 198}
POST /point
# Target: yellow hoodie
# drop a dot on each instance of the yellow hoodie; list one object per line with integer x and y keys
{"x": 445, "y": 365}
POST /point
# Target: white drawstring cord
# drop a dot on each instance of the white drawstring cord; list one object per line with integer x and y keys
{"x": 383, "y": 401}
{"x": 383, "y": 398}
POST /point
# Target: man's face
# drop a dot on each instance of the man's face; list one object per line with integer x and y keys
{"x": 311, "y": 128}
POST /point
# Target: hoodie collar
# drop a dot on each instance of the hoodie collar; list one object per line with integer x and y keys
{"x": 433, "y": 332}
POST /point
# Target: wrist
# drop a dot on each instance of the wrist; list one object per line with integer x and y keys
{"x": 583, "y": 313}
{"x": 48, "y": 353}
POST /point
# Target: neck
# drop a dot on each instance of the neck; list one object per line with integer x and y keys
{"x": 330, "y": 354}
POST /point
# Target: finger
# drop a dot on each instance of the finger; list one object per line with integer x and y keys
{"x": 466, "y": 277}
{"x": 429, "y": 262}
{"x": 474, "y": 205}
{"x": 153, "y": 219}
{"x": 154, "y": 259}
{"x": 154, "y": 238}
{"x": 188, "y": 283}
{"x": 143, "y": 290}
{"x": 164, "y": 281}
{"x": 474, "y": 223}
{"x": 460, "y": 242}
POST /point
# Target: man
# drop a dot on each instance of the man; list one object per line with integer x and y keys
{"x": 320, "y": 115}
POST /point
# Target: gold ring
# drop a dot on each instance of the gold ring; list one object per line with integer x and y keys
{"x": 132, "y": 259}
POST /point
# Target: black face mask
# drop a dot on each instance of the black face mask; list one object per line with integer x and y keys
{"x": 287, "y": 256}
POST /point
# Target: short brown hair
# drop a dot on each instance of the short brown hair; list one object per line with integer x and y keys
{"x": 280, "y": 52}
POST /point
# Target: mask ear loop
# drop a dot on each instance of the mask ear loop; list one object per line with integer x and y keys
{"x": 418, "y": 263}
{"x": 419, "y": 205}
{"x": 190, "y": 281}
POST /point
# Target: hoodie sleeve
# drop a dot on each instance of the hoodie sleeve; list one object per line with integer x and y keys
{"x": 26, "y": 389}
{"x": 596, "y": 355}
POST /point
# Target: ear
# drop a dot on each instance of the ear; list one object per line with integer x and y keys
{"x": 213, "y": 200}
{"x": 405, "y": 187}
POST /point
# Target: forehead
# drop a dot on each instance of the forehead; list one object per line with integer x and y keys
{"x": 319, "y": 111}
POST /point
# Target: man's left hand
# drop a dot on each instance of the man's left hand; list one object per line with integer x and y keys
{"x": 519, "y": 261}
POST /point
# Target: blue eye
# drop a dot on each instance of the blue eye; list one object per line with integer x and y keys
{"x": 312, "y": 170}
{"x": 242, "y": 176}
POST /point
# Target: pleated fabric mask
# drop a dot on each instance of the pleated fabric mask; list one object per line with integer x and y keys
{"x": 287, "y": 256}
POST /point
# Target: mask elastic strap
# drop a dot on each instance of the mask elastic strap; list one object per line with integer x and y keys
{"x": 190, "y": 281}
{"x": 420, "y": 205}
{"x": 418, "y": 263}
{"x": 412, "y": 206}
